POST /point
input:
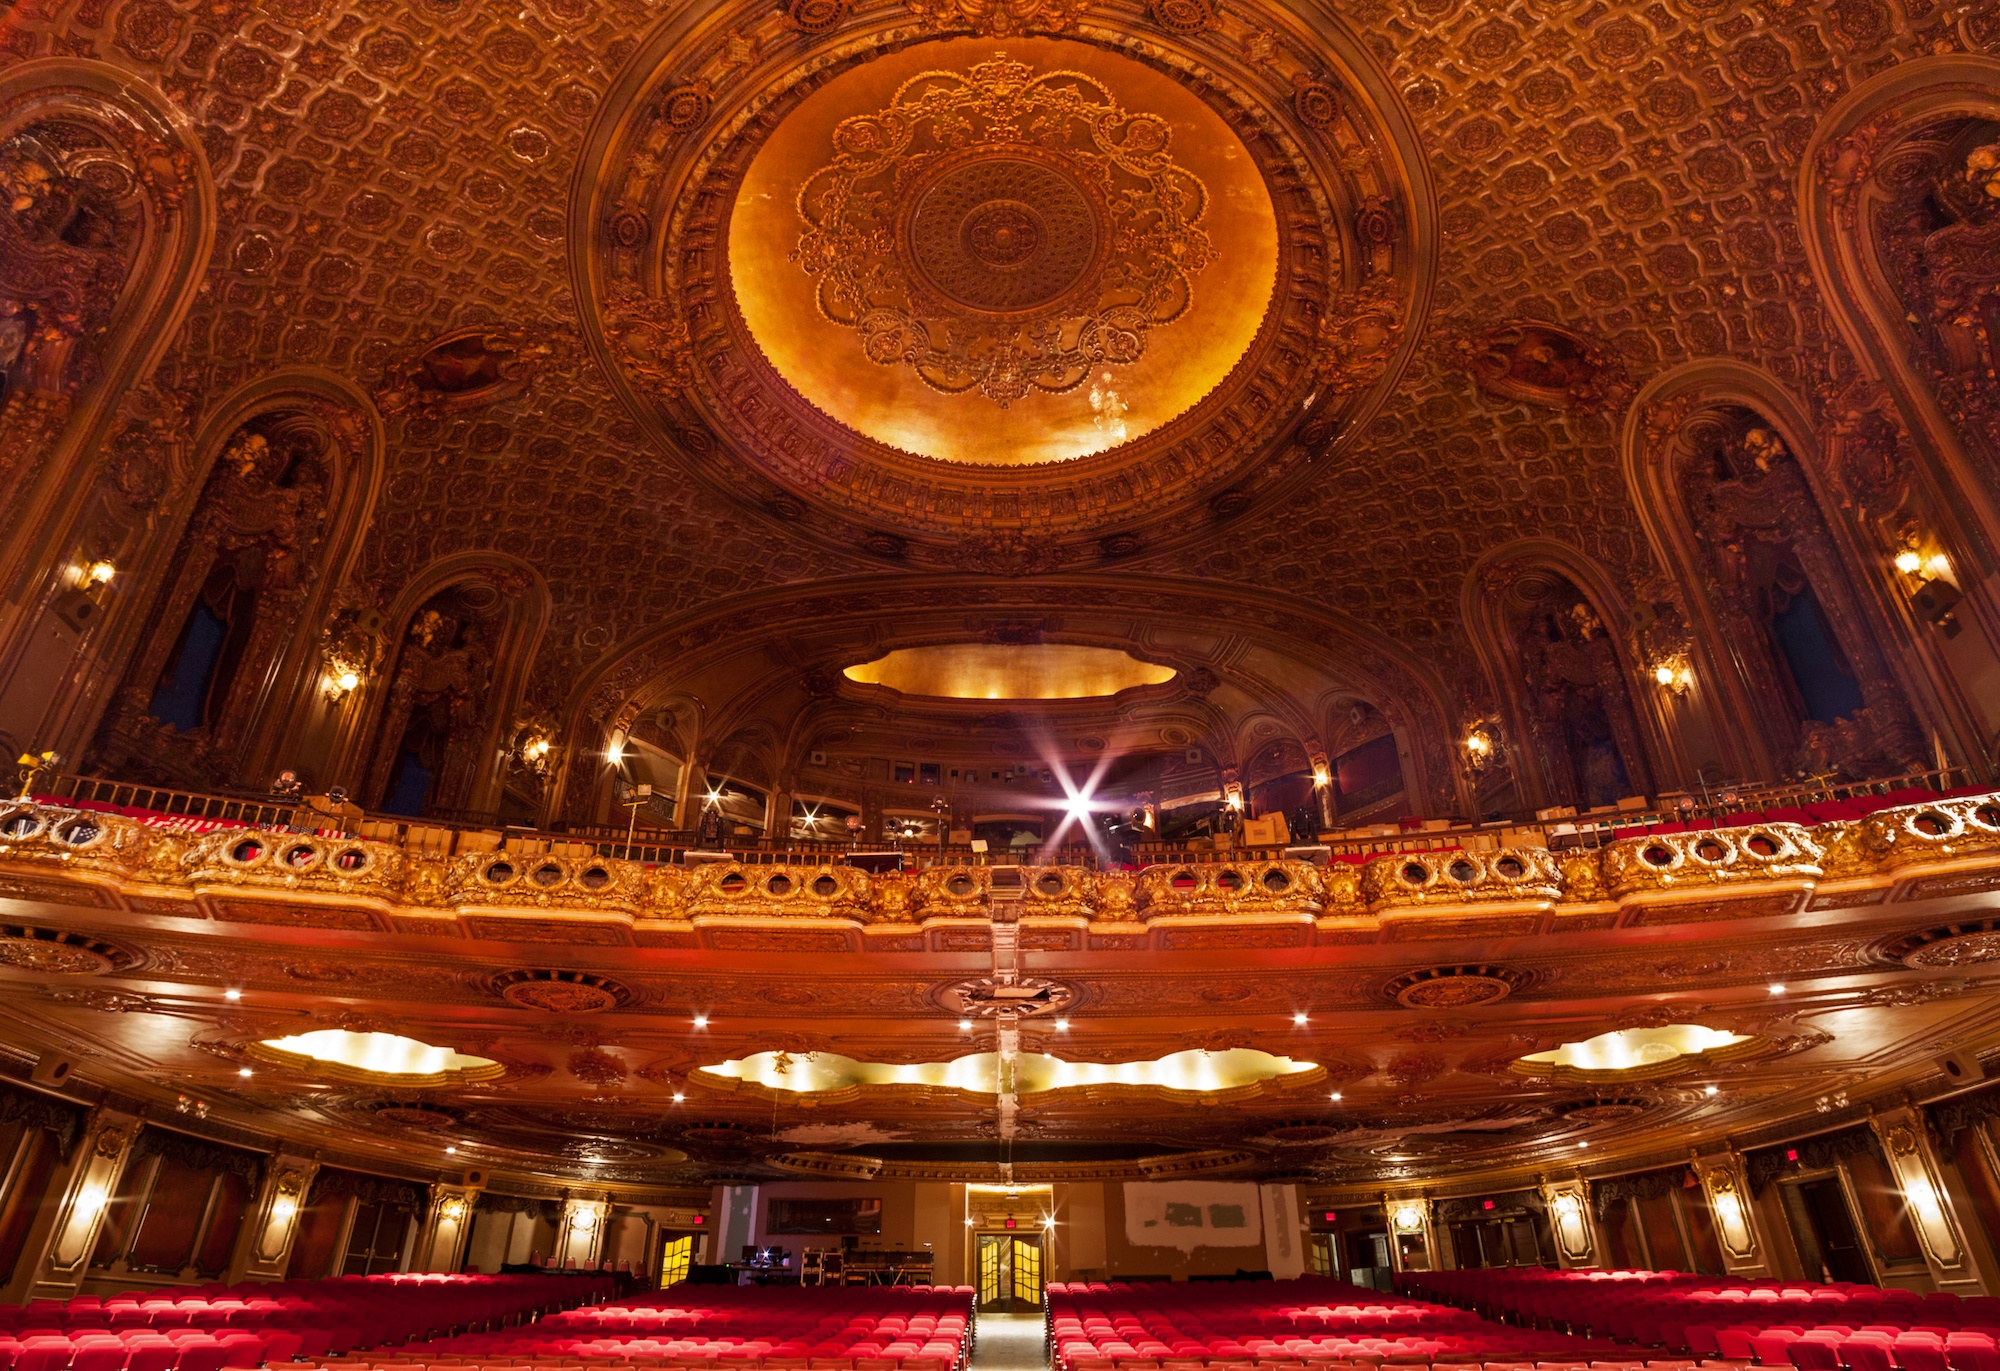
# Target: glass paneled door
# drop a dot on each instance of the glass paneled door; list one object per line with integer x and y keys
{"x": 1010, "y": 1273}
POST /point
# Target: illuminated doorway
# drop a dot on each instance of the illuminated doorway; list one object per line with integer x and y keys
{"x": 1010, "y": 1273}
{"x": 676, "y": 1257}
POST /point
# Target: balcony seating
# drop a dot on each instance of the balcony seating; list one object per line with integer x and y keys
{"x": 1723, "y": 1319}
{"x": 217, "y": 1328}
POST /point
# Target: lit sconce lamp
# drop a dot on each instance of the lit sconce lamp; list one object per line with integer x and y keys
{"x": 32, "y": 765}
{"x": 1909, "y": 561}
{"x": 343, "y": 678}
{"x": 101, "y": 572}
{"x": 1566, "y": 1205}
{"x": 1322, "y": 778}
{"x": 1674, "y": 675}
{"x": 1480, "y": 747}
{"x": 614, "y": 752}
{"x": 583, "y": 1220}
{"x": 453, "y": 1209}
{"x": 283, "y": 1208}
{"x": 534, "y": 751}
{"x": 1232, "y": 795}
{"x": 90, "y": 1201}
{"x": 1409, "y": 1219}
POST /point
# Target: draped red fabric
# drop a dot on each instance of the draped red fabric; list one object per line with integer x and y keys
{"x": 116, "y": 1230}
{"x": 1663, "y": 1234}
{"x": 318, "y": 1241}
{"x": 18, "y": 1210}
{"x": 1883, "y": 1210}
{"x": 172, "y": 1222}
{"x": 232, "y": 1198}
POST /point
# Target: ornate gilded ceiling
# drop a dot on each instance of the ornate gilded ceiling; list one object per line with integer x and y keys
{"x": 563, "y": 179}
{"x": 1041, "y": 250}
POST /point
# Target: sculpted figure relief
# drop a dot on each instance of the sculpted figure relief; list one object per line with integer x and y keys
{"x": 1777, "y": 577}
{"x": 427, "y": 745}
{"x": 233, "y": 594}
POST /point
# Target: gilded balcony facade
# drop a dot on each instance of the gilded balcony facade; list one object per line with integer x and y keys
{"x": 62, "y": 856}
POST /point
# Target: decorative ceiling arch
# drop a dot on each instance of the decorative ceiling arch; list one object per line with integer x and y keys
{"x": 881, "y": 608}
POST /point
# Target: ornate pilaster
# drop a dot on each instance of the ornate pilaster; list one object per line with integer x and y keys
{"x": 446, "y": 1228}
{"x": 265, "y": 1246}
{"x": 85, "y": 1193}
{"x": 1410, "y": 1223}
{"x": 1913, "y": 1161}
{"x": 1727, "y": 1189}
{"x": 1569, "y": 1215}
{"x": 580, "y": 1230}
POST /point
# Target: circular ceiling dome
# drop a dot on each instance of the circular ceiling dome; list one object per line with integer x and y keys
{"x": 1003, "y": 256}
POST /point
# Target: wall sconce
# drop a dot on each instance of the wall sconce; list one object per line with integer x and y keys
{"x": 342, "y": 679}
{"x": 1232, "y": 794}
{"x": 1674, "y": 675}
{"x": 90, "y": 1201}
{"x": 452, "y": 1210}
{"x": 101, "y": 571}
{"x": 1322, "y": 778}
{"x": 1567, "y": 1205}
{"x": 1409, "y": 1219}
{"x": 1480, "y": 747}
{"x": 583, "y": 1220}
{"x": 534, "y": 751}
{"x": 283, "y": 1208}
{"x": 33, "y": 764}
{"x": 1909, "y": 561}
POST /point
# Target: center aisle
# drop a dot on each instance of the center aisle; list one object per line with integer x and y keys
{"x": 1011, "y": 1342}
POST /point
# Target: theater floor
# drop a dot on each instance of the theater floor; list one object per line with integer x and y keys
{"x": 1011, "y": 1342}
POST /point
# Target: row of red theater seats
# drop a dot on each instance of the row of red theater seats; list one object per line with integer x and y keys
{"x": 1286, "y": 1323}
{"x": 1823, "y": 812}
{"x": 218, "y": 1328}
{"x": 1765, "y": 1323}
{"x": 577, "y": 1363}
{"x": 786, "y": 1328}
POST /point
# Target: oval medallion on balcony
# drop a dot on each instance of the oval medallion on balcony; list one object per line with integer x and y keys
{"x": 1958, "y": 944}
{"x": 560, "y": 992}
{"x": 1455, "y": 987}
{"x": 61, "y": 954}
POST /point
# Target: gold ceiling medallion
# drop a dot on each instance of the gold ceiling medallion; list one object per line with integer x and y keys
{"x": 997, "y": 18}
{"x": 1003, "y": 231}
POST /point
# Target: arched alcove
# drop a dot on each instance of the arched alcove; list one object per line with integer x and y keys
{"x": 1550, "y": 631}
{"x": 1787, "y": 628}
{"x": 101, "y": 253}
{"x": 430, "y": 720}
{"x": 219, "y": 628}
{"x": 1902, "y": 228}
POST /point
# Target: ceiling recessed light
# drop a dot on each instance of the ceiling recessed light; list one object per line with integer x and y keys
{"x": 451, "y": 1151}
{"x": 678, "y": 1097}
{"x": 1777, "y": 989}
{"x": 232, "y": 994}
{"x": 242, "y": 1070}
{"x": 1298, "y": 1018}
{"x": 1711, "y": 1090}
{"x": 965, "y": 1025}
{"x": 1334, "y": 1096}
{"x": 1583, "y": 1144}
{"x": 701, "y": 1021}
{"x": 1062, "y": 1025}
